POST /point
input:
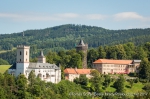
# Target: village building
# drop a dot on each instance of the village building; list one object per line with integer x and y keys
{"x": 46, "y": 71}
{"x": 72, "y": 73}
{"x": 106, "y": 66}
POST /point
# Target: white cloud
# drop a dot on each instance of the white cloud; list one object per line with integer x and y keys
{"x": 128, "y": 16}
{"x": 68, "y": 15}
{"x": 50, "y": 17}
{"x": 95, "y": 16}
{"x": 38, "y": 17}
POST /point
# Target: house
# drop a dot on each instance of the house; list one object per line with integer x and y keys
{"x": 72, "y": 73}
{"x": 106, "y": 66}
{"x": 46, "y": 71}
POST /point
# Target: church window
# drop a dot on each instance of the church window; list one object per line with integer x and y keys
{"x": 20, "y": 52}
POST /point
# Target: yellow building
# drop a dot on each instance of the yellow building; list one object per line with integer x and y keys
{"x": 111, "y": 66}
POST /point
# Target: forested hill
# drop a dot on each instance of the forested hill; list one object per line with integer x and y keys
{"x": 66, "y": 36}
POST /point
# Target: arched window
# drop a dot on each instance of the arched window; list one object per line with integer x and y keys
{"x": 26, "y": 53}
{"x": 26, "y": 60}
{"x": 20, "y": 52}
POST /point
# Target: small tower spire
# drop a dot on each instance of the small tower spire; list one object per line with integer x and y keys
{"x": 41, "y": 58}
{"x": 41, "y": 53}
{"x": 23, "y": 34}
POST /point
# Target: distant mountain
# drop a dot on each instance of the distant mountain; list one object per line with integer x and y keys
{"x": 67, "y": 36}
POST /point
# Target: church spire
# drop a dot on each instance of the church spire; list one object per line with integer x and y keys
{"x": 41, "y": 58}
{"x": 41, "y": 53}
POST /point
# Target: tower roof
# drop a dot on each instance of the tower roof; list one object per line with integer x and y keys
{"x": 41, "y": 54}
{"x": 81, "y": 43}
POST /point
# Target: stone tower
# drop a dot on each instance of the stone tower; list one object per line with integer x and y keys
{"x": 83, "y": 47}
{"x": 41, "y": 58}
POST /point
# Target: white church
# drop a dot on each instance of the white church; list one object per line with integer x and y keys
{"x": 46, "y": 71}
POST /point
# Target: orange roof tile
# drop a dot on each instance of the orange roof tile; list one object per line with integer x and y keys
{"x": 83, "y": 71}
{"x": 77, "y": 71}
{"x": 111, "y": 61}
{"x": 69, "y": 71}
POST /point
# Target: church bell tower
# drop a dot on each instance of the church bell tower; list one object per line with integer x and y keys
{"x": 22, "y": 62}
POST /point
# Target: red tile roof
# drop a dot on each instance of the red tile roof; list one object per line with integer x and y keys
{"x": 111, "y": 61}
{"x": 69, "y": 71}
{"x": 77, "y": 71}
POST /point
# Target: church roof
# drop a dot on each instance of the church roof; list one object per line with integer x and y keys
{"x": 43, "y": 66}
{"x": 38, "y": 66}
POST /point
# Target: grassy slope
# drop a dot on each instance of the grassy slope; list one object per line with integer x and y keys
{"x": 4, "y": 51}
{"x": 3, "y": 68}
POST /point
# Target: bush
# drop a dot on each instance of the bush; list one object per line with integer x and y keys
{"x": 136, "y": 80}
{"x": 132, "y": 74}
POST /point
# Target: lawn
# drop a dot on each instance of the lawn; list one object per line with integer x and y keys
{"x": 137, "y": 87}
{"x": 3, "y": 68}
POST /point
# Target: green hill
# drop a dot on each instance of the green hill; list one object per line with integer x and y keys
{"x": 65, "y": 37}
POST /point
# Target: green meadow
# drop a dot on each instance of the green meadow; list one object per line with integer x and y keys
{"x": 3, "y": 68}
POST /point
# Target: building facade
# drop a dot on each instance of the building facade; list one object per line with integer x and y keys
{"x": 83, "y": 47}
{"x": 72, "y": 73}
{"x": 46, "y": 71}
{"x": 106, "y": 66}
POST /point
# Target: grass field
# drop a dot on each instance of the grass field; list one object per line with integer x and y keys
{"x": 4, "y": 51}
{"x": 3, "y": 68}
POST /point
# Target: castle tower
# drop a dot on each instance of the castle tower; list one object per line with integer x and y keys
{"x": 23, "y": 54}
{"x": 41, "y": 58}
{"x": 22, "y": 61}
{"x": 83, "y": 47}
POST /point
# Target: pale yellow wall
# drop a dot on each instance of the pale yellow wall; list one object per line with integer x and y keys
{"x": 24, "y": 57}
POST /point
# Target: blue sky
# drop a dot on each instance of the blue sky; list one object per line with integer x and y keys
{"x": 21, "y": 15}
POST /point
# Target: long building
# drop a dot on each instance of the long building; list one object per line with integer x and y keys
{"x": 46, "y": 71}
{"x": 106, "y": 66}
{"x": 72, "y": 73}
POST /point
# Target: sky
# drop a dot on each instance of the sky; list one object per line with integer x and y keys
{"x": 21, "y": 15}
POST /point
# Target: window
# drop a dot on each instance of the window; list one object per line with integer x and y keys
{"x": 26, "y": 60}
{"x": 20, "y": 52}
{"x": 26, "y": 53}
{"x": 20, "y": 60}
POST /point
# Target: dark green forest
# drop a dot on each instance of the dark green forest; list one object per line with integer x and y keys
{"x": 66, "y": 37}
